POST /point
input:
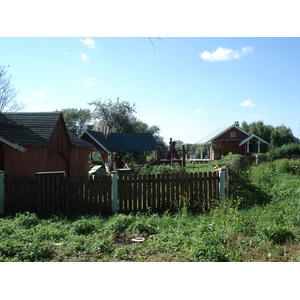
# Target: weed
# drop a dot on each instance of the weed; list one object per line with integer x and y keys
{"x": 26, "y": 219}
{"x": 83, "y": 226}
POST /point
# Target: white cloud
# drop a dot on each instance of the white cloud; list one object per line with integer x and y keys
{"x": 66, "y": 53}
{"x": 84, "y": 57}
{"x": 89, "y": 42}
{"x": 247, "y": 103}
{"x": 89, "y": 80}
{"x": 197, "y": 111}
{"x": 247, "y": 49}
{"x": 223, "y": 54}
{"x": 40, "y": 96}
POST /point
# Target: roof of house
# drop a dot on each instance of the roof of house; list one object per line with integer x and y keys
{"x": 79, "y": 143}
{"x": 41, "y": 123}
{"x": 123, "y": 142}
{"x": 33, "y": 128}
{"x": 215, "y": 134}
{"x": 253, "y": 136}
{"x": 28, "y": 128}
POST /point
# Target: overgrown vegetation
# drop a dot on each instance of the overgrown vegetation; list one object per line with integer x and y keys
{"x": 259, "y": 221}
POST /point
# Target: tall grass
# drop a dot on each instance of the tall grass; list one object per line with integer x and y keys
{"x": 268, "y": 231}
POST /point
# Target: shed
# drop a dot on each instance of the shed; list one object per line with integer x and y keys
{"x": 39, "y": 142}
{"x": 119, "y": 142}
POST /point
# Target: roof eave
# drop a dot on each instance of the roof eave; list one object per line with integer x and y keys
{"x": 95, "y": 140}
{"x": 13, "y": 145}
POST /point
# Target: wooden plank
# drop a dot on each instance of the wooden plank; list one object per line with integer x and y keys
{"x": 130, "y": 206}
{"x": 144, "y": 183}
{"x": 134, "y": 193}
{"x": 158, "y": 192}
{"x": 149, "y": 192}
{"x": 205, "y": 191}
{"x": 168, "y": 194}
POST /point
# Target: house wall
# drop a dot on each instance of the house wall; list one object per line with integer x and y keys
{"x": 221, "y": 147}
{"x": 57, "y": 157}
{"x": 18, "y": 163}
{"x": 79, "y": 161}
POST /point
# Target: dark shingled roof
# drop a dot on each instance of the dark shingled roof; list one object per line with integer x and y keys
{"x": 79, "y": 143}
{"x": 124, "y": 142}
{"x": 33, "y": 128}
{"x": 28, "y": 128}
{"x": 41, "y": 123}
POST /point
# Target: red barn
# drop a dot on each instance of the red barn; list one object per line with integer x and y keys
{"x": 40, "y": 142}
{"x": 231, "y": 139}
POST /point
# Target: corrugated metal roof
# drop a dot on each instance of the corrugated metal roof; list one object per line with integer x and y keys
{"x": 124, "y": 142}
{"x": 210, "y": 137}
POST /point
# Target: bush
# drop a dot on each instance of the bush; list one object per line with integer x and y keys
{"x": 83, "y": 226}
{"x": 119, "y": 223}
{"x": 161, "y": 169}
{"x": 286, "y": 151}
{"x": 279, "y": 234}
{"x": 30, "y": 252}
{"x": 27, "y": 219}
{"x": 210, "y": 247}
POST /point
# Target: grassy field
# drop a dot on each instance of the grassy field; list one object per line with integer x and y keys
{"x": 260, "y": 221}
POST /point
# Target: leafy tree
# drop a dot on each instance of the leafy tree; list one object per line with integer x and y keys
{"x": 259, "y": 129}
{"x": 8, "y": 92}
{"x": 282, "y": 135}
{"x": 277, "y": 136}
{"x": 118, "y": 116}
{"x": 77, "y": 120}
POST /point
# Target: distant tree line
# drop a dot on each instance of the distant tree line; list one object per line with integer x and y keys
{"x": 275, "y": 136}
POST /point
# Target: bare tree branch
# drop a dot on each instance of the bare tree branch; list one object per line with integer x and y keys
{"x": 8, "y": 92}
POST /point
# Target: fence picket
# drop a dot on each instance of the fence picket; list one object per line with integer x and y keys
{"x": 49, "y": 194}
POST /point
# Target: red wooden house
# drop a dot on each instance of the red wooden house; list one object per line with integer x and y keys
{"x": 40, "y": 142}
{"x": 231, "y": 139}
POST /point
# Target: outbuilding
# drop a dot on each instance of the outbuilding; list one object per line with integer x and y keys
{"x": 32, "y": 142}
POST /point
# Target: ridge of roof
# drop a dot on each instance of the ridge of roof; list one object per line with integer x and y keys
{"x": 212, "y": 136}
{"x": 42, "y": 123}
{"x": 123, "y": 142}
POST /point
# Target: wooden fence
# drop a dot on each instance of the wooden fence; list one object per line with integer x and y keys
{"x": 48, "y": 194}
{"x": 161, "y": 192}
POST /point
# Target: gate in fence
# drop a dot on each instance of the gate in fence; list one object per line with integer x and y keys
{"x": 52, "y": 193}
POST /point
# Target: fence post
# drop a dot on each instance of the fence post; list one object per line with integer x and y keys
{"x": 114, "y": 191}
{"x": 2, "y": 192}
{"x": 222, "y": 183}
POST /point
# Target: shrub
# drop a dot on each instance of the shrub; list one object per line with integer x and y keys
{"x": 27, "y": 219}
{"x": 30, "y": 252}
{"x": 119, "y": 223}
{"x": 143, "y": 226}
{"x": 83, "y": 226}
{"x": 279, "y": 234}
{"x": 210, "y": 247}
{"x": 285, "y": 151}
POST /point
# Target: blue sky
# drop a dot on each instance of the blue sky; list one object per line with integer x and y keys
{"x": 186, "y": 86}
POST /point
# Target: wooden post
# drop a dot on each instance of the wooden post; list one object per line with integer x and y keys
{"x": 2, "y": 192}
{"x": 222, "y": 183}
{"x": 114, "y": 192}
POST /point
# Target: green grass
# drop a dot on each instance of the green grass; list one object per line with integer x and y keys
{"x": 235, "y": 232}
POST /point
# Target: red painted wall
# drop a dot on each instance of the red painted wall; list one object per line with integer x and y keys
{"x": 57, "y": 157}
{"x": 224, "y": 147}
